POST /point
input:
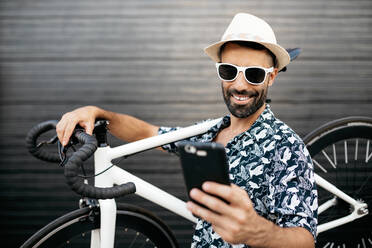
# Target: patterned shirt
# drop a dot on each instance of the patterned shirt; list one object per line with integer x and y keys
{"x": 272, "y": 164}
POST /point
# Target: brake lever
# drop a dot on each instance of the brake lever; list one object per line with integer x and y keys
{"x": 49, "y": 142}
{"x": 62, "y": 150}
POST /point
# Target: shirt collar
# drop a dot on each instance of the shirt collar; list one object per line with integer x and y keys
{"x": 265, "y": 117}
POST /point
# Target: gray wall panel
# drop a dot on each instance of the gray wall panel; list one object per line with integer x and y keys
{"x": 145, "y": 58}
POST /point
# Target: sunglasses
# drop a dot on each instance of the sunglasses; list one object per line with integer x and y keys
{"x": 255, "y": 75}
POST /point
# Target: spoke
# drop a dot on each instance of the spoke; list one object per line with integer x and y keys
{"x": 356, "y": 150}
{"x": 367, "y": 151}
{"x": 134, "y": 240}
{"x": 334, "y": 154}
{"x": 345, "y": 145}
{"x": 368, "y": 156}
{"x": 329, "y": 160}
{"x": 362, "y": 185}
{"x": 321, "y": 167}
{"x": 326, "y": 245}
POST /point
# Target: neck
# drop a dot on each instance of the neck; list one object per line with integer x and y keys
{"x": 239, "y": 125}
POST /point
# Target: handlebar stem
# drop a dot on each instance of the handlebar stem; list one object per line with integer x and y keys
{"x": 100, "y": 130}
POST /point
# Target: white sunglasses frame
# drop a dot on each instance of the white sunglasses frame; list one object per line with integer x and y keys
{"x": 242, "y": 69}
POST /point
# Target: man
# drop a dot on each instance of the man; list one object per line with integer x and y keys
{"x": 272, "y": 201}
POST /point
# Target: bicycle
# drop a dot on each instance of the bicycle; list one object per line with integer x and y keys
{"x": 343, "y": 204}
{"x": 103, "y": 212}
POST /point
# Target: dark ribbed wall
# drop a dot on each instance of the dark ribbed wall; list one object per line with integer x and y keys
{"x": 145, "y": 58}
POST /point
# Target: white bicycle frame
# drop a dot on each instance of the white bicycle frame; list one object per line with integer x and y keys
{"x": 104, "y": 237}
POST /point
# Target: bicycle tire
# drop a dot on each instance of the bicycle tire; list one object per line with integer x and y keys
{"x": 341, "y": 155}
{"x": 135, "y": 227}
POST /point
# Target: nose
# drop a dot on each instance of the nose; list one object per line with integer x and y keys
{"x": 240, "y": 83}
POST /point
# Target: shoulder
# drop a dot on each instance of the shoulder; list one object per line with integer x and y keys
{"x": 271, "y": 128}
{"x": 281, "y": 132}
{"x": 289, "y": 147}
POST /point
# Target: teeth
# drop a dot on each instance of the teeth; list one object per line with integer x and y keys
{"x": 241, "y": 98}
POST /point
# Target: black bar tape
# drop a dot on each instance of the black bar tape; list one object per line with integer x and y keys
{"x": 76, "y": 161}
{"x": 31, "y": 139}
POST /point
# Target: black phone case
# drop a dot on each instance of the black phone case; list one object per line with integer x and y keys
{"x": 203, "y": 162}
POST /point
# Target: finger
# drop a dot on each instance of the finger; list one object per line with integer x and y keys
{"x": 88, "y": 126}
{"x": 212, "y": 202}
{"x": 69, "y": 128}
{"x": 221, "y": 190}
{"x": 204, "y": 213}
{"x": 232, "y": 193}
{"x": 60, "y": 130}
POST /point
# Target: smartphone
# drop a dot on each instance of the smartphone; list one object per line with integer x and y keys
{"x": 203, "y": 162}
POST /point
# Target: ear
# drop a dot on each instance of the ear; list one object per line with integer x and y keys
{"x": 272, "y": 76}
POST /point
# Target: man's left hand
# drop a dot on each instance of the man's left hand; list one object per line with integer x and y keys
{"x": 236, "y": 222}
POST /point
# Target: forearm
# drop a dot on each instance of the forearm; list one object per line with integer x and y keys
{"x": 273, "y": 236}
{"x": 126, "y": 127}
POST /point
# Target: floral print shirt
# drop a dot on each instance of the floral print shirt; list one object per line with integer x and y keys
{"x": 272, "y": 164}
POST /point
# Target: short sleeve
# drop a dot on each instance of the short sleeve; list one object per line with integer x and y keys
{"x": 204, "y": 137}
{"x": 292, "y": 188}
{"x": 171, "y": 147}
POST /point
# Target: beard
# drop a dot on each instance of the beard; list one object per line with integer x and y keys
{"x": 243, "y": 111}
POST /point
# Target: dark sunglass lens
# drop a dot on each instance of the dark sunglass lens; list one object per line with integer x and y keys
{"x": 227, "y": 72}
{"x": 255, "y": 75}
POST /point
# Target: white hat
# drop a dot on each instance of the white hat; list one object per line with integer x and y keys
{"x": 247, "y": 27}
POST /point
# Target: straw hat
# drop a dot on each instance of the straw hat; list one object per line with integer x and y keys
{"x": 247, "y": 27}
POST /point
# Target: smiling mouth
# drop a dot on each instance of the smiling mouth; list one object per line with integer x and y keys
{"x": 241, "y": 98}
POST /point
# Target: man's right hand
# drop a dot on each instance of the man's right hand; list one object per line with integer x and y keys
{"x": 124, "y": 127}
{"x": 84, "y": 116}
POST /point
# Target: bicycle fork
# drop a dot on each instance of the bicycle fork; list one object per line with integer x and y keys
{"x": 104, "y": 237}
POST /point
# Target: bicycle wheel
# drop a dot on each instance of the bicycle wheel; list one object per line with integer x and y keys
{"x": 135, "y": 227}
{"x": 341, "y": 154}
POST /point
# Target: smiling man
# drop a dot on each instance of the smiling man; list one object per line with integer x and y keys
{"x": 272, "y": 201}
